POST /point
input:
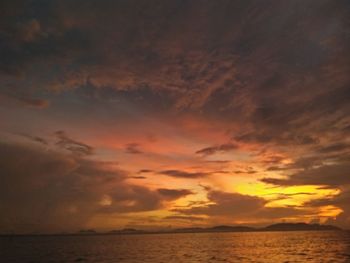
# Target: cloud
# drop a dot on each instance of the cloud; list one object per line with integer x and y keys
{"x": 275, "y": 168}
{"x": 307, "y": 162}
{"x": 337, "y": 147}
{"x": 227, "y": 204}
{"x": 272, "y": 79}
{"x": 280, "y": 138}
{"x": 36, "y": 139}
{"x": 145, "y": 171}
{"x": 138, "y": 177}
{"x": 342, "y": 201}
{"x": 201, "y": 62}
{"x": 219, "y": 148}
{"x": 331, "y": 175}
{"x": 132, "y": 148}
{"x": 30, "y": 30}
{"x": 184, "y": 174}
{"x": 43, "y": 190}
{"x": 133, "y": 198}
{"x": 174, "y": 193}
{"x": 185, "y": 218}
{"x": 26, "y": 101}
{"x": 73, "y": 146}
{"x": 180, "y": 61}
{"x": 235, "y": 206}
{"x": 35, "y": 103}
{"x": 248, "y": 170}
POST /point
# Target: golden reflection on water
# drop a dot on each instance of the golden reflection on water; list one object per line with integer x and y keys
{"x": 264, "y": 247}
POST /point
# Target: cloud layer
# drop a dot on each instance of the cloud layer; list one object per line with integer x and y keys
{"x": 120, "y": 111}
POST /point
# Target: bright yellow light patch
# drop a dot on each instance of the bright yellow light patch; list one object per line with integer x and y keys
{"x": 330, "y": 211}
{"x": 279, "y": 196}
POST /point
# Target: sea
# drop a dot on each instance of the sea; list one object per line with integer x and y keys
{"x": 269, "y": 247}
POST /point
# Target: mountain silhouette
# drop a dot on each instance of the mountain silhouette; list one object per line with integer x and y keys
{"x": 299, "y": 227}
{"x": 221, "y": 228}
{"x": 274, "y": 227}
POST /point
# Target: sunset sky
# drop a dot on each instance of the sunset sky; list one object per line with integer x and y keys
{"x": 164, "y": 114}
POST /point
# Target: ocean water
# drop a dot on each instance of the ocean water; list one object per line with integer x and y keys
{"x": 269, "y": 247}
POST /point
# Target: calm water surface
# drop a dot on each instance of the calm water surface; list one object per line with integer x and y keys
{"x": 271, "y": 247}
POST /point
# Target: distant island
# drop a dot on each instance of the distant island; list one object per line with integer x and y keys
{"x": 300, "y": 227}
{"x": 222, "y": 228}
{"x": 274, "y": 227}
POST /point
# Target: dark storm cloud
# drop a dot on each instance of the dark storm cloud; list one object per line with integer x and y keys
{"x": 332, "y": 175}
{"x": 183, "y": 174}
{"x": 236, "y": 206}
{"x": 133, "y": 198}
{"x": 200, "y": 54}
{"x": 43, "y": 190}
{"x": 229, "y": 204}
{"x": 219, "y": 148}
{"x": 232, "y": 60}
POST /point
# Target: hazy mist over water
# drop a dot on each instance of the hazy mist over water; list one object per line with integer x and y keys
{"x": 274, "y": 247}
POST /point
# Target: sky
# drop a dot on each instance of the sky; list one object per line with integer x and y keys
{"x": 167, "y": 114}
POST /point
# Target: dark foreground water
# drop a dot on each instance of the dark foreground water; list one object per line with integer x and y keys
{"x": 271, "y": 247}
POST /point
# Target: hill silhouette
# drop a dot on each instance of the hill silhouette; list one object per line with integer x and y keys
{"x": 215, "y": 229}
{"x": 221, "y": 228}
{"x": 299, "y": 227}
{"x": 224, "y": 228}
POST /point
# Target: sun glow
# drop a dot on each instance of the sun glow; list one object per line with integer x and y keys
{"x": 278, "y": 196}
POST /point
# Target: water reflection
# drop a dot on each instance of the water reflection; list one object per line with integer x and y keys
{"x": 201, "y": 247}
